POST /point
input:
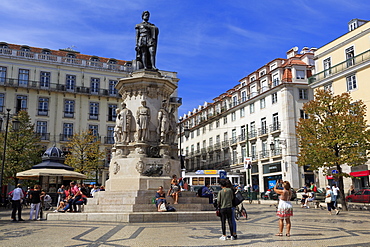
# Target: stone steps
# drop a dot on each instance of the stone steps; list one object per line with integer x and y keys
{"x": 138, "y": 217}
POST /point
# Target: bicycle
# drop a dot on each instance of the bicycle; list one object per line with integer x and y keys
{"x": 240, "y": 212}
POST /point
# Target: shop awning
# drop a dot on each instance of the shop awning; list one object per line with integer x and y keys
{"x": 360, "y": 173}
{"x": 329, "y": 177}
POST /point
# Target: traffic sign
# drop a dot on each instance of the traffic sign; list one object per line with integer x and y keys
{"x": 223, "y": 174}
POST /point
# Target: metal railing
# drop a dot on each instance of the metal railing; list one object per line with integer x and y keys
{"x": 64, "y": 60}
{"x": 11, "y": 82}
{"x": 359, "y": 59}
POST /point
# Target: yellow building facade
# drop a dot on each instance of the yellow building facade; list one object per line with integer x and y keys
{"x": 343, "y": 65}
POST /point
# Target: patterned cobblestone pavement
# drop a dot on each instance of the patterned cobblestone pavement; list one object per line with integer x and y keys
{"x": 310, "y": 227}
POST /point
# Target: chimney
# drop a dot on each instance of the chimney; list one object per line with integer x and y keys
{"x": 292, "y": 52}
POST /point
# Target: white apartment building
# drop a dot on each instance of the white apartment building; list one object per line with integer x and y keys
{"x": 64, "y": 92}
{"x": 257, "y": 119}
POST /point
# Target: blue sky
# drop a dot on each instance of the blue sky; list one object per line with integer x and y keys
{"x": 212, "y": 44}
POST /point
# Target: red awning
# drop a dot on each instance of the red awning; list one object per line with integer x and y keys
{"x": 329, "y": 177}
{"x": 360, "y": 173}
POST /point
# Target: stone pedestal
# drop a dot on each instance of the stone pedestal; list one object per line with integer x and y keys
{"x": 147, "y": 156}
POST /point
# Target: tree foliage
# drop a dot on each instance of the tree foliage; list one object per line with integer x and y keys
{"x": 84, "y": 154}
{"x": 334, "y": 134}
{"x": 23, "y": 149}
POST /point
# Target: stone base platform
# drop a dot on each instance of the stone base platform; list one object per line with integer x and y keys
{"x": 135, "y": 217}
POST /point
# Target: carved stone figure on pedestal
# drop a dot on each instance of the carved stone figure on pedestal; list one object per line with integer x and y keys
{"x": 118, "y": 128}
{"x": 146, "y": 42}
{"x": 143, "y": 118}
{"x": 126, "y": 117}
{"x": 172, "y": 133}
{"x": 163, "y": 123}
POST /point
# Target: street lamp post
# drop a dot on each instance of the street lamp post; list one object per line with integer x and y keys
{"x": 4, "y": 151}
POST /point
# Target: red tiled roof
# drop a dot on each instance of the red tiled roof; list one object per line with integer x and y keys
{"x": 64, "y": 53}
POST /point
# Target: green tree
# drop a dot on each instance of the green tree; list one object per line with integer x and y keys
{"x": 84, "y": 154}
{"x": 334, "y": 134}
{"x": 23, "y": 149}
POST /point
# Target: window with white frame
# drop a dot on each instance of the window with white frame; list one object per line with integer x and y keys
{"x": 95, "y": 85}
{"x": 252, "y": 133}
{"x": 300, "y": 74}
{"x": 235, "y": 101}
{"x": 275, "y": 122}
{"x": 233, "y": 136}
{"x": 327, "y": 66}
{"x": 2, "y": 75}
{"x": 217, "y": 123}
{"x": 43, "y": 106}
{"x": 242, "y": 112}
{"x": 262, "y": 103}
{"x": 242, "y": 132}
{"x": 225, "y": 120}
{"x": 21, "y": 103}
{"x": 275, "y": 79}
{"x": 67, "y": 130}
{"x": 263, "y": 126}
{"x": 44, "y": 79}
{"x": 351, "y": 82}
{"x": 328, "y": 87}
{"x": 264, "y": 86}
{"x": 23, "y": 77}
{"x": 198, "y": 132}
{"x": 233, "y": 116}
{"x": 70, "y": 82}
{"x": 274, "y": 98}
{"x": 226, "y": 136}
{"x": 41, "y": 128}
{"x": 210, "y": 141}
{"x": 69, "y": 108}
{"x": 204, "y": 144}
{"x": 210, "y": 126}
{"x": 303, "y": 93}
{"x": 254, "y": 151}
{"x": 93, "y": 130}
{"x": 112, "y": 114}
{"x": 2, "y": 102}
{"x": 251, "y": 108}
{"x": 94, "y": 111}
{"x": 303, "y": 114}
{"x": 112, "y": 88}
{"x": 110, "y": 135}
{"x": 244, "y": 96}
{"x": 273, "y": 66}
{"x": 204, "y": 130}
{"x": 350, "y": 54}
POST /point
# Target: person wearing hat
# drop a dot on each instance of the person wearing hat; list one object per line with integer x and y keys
{"x": 17, "y": 195}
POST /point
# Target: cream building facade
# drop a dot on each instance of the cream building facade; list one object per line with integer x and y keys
{"x": 343, "y": 65}
{"x": 255, "y": 119}
{"x": 64, "y": 92}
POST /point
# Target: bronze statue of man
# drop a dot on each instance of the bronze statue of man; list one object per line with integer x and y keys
{"x": 146, "y": 43}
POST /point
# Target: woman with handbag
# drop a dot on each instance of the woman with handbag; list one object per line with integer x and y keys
{"x": 224, "y": 203}
{"x": 329, "y": 199}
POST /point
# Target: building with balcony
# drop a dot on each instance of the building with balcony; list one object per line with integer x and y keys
{"x": 64, "y": 92}
{"x": 257, "y": 119}
{"x": 343, "y": 65}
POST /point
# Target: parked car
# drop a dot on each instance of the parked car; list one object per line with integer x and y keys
{"x": 360, "y": 196}
{"x": 319, "y": 195}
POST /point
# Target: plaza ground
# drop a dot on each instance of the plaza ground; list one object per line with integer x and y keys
{"x": 311, "y": 227}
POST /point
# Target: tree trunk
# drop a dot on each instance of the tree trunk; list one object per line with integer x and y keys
{"x": 341, "y": 189}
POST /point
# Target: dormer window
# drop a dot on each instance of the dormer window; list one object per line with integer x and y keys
{"x": 95, "y": 59}
{"x": 46, "y": 52}
{"x": 4, "y": 45}
{"x": 112, "y": 61}
{"x": 71, "y": 55}
{"x": 25, "y": 48}
{"x": 252, "y": 78}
